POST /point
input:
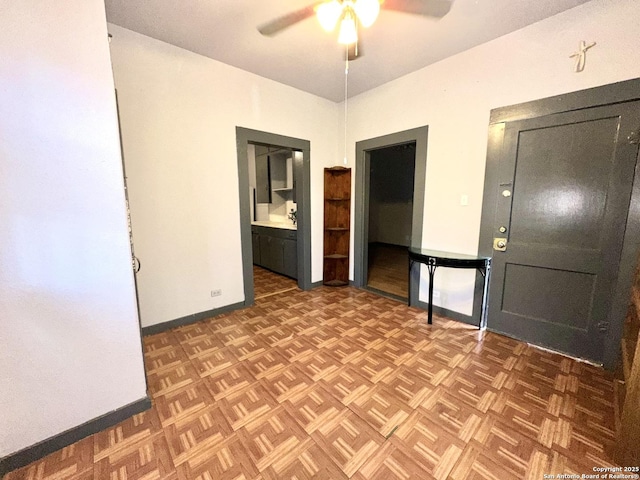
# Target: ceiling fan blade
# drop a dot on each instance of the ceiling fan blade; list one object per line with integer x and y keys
{"x": 429, "y": 8}
{"x": 276, "y": 26}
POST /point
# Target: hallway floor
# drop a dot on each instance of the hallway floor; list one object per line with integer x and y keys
{"x": 339, "y": 383}
{"x": 388, "y": 269}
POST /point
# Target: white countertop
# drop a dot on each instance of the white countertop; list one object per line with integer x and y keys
{"x": 286, "y": 226}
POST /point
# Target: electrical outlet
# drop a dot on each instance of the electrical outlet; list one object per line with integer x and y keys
{"x": 464, "y": 200}
{"x": 436, "y": 294}
{"x": 216, "y": 293}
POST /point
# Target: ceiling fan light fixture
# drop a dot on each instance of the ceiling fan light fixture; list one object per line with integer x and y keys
{"x": 367, "y": 11}
{"x": 348, "y": 31}
{"x": 328, "y": 14}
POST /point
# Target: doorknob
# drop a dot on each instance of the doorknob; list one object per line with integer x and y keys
{"x": 500, "y": 244}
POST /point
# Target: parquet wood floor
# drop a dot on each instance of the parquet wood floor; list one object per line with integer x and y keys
{"x": 335, "y": 384}
{"x": 388, "y": 269}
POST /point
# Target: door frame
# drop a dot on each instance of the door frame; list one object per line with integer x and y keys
{"x": 302, "y": 174}
{"x": 418, "y": 135}
{"x": 619, "y": 92}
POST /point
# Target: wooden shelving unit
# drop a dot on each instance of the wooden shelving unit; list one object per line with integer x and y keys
{"x": 629, "y": 340}
{"x": 627, "y": 388}
{"x": 337, "y": 218}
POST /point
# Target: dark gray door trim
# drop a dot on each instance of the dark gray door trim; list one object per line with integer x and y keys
{"x": 363, "y": 165}
{"x": 618, "y": 92}
{"x": 609, "y": 94}
{"x": 302, "y": 174}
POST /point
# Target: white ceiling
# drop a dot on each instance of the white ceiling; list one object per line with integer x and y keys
{"x": 306, "y": 57}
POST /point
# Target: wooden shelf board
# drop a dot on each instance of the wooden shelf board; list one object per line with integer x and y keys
{"x": 619, "y": 390}
{"x": 628, "y": 351}
{"x": 338, "y": 199}
{"x": 336, "y": 256}
{"x": 635, "y": 298}
{"x": 336, "y": 229}
{"x": 339, "y": 169}
{"x": 336, "y": 283}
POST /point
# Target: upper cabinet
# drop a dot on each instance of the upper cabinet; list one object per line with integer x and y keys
{"x": 274, "y": 172}
{"x": 263, "y": 175}
{"x": 281, "y": 171}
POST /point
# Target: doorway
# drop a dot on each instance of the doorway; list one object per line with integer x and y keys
{"x": 391, "y": 181}
{"x": 273, "y": 208}
{"x": 286, "y": 251}
{"x": 559, "y": 182}
{"x": 379, "y": 254}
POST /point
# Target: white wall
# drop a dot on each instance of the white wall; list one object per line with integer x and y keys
{"x": 69, "y": 336}
{"x": 178, "y": 113}
{"x": 454, "y": 98}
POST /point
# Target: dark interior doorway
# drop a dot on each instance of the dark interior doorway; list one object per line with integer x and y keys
{"x": 365, "y": 149}
{"x": 391, "y": 180}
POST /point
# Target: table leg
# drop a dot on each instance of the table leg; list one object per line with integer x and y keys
{"x": 409, "y": 283}
{"x": 432, "y": 270}
{"x": 485, "y": 294}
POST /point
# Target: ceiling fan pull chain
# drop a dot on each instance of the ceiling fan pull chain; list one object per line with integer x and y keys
{"x": 346, "y": 83}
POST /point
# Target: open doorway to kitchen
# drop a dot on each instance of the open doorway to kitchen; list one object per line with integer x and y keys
{"x": 274, "y": 234}
{"x": 274, "y": 179}
{"x": 389, "y": 210}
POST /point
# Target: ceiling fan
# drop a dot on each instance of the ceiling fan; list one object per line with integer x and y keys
{"x": 353, "y": 14}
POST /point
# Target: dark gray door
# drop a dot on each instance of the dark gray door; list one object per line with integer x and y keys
{"x": 565, "y": 186}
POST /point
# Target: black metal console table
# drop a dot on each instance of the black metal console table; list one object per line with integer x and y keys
{"x": 434, "y": 258}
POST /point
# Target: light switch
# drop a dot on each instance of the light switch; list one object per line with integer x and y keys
{"x": 464, "y": 200}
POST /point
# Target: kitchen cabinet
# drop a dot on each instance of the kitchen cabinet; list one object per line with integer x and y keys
{"x": 290, "y": 264}
{"x": 271, "y": 253}
{"x": 263, "y": 175}
{"x": 274, "y": 172}
{"x": 281, "y": 165}
{"x": 278, "y": 249}
{"x": 255, "y": 240}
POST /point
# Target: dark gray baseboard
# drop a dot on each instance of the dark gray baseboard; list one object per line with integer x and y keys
{"x": 189, "y": 319}
{"x": 50, "y": 445}
{"x": 440, "y": 311}
{"x": 444, "y": 312}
